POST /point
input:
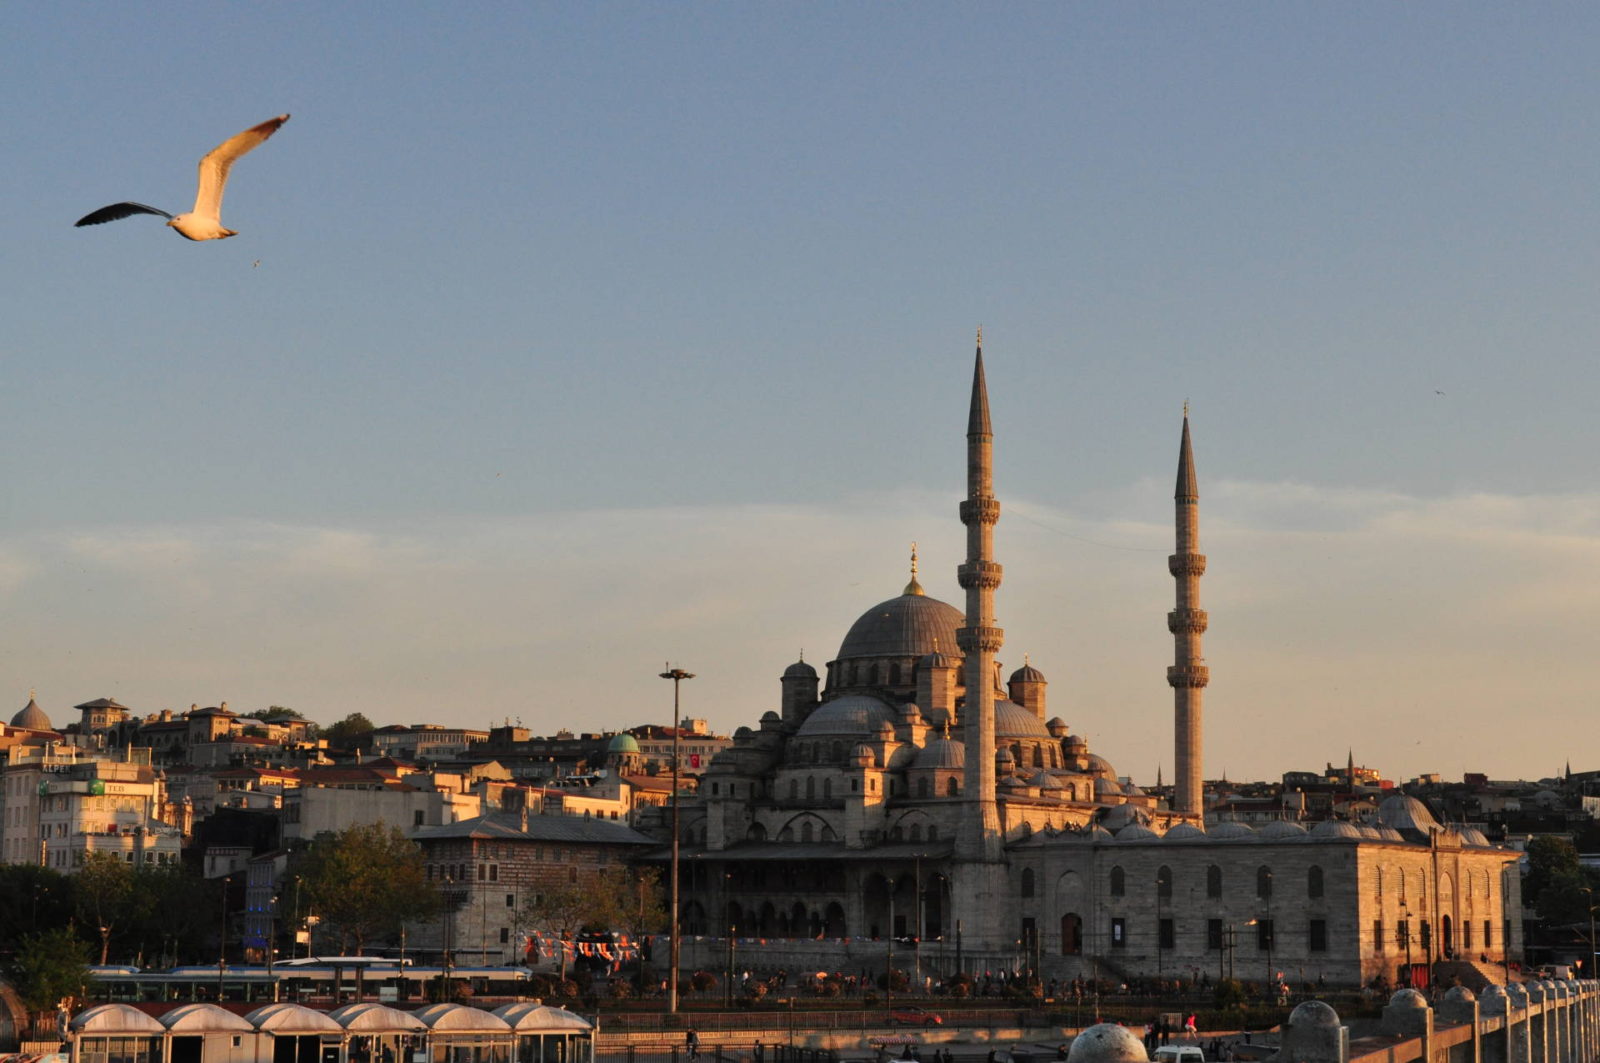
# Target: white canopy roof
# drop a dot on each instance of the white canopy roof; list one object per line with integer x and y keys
{"x": 375, "y": 1018}
{"x": 458, "y": 1018}
{"x": 527, "y": 1017}
{"x": 287, "y": 1018}
{"x": 205, "y": 1018}
{"x": 115, "y": 1019}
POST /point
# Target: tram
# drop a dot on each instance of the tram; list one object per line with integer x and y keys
{"x": 316, "y": 981}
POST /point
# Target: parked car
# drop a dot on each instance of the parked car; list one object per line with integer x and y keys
{"x": 915, "y": 1016}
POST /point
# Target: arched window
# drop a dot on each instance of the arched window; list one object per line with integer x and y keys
{"x": 1164, "y": 882}
{"x": 1264, "y": 883}
{"x": 811, "y": 786}
{"x": 951, "y": 788}
{"x": 933, "y": 833}
{"x": 794, "y": 789}
{"x": 1038, "y": 756}
{"x": 1118, "y": 882}
{"x": 805, "y": 831}
{"x": 827, "y": 787}
{"x": 1213, "y": 881}
{"x": 1027, "y": 882}
{"x": 922, "y": 786}
{"x": 1314, "y": 881}
{"x": 916, "y": 832}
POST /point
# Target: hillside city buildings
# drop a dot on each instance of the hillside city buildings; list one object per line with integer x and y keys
{"x": 910, "y": 797}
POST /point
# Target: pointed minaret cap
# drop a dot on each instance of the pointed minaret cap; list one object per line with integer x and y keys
{"x": 978, "y": 419}
{"x": 1188, "y": 490}
{"x": 914, "y": 587}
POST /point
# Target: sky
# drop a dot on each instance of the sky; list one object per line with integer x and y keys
{"x": 561, "y": 341}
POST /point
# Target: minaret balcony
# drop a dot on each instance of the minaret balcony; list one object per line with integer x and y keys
{"x": 980, "y": 511}
{"x": 984, "y": 639}
{"x": 1187, "y": 621}
{"x": 1187, "y": 564}
{"x": 985, "y": 574}
{"x": 1188, "y": 675}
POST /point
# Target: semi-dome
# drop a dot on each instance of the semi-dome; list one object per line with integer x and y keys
{"x": 852, "y": 714}
{"x": 912, "y": 625}
{"x": 942, "y": 753}
{"x": 32, "y": 718}
{"x": 623, "y": 743}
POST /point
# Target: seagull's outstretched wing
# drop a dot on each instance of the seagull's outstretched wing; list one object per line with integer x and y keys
{"x": 117, "y": 211}
{"x": 214, "y": 167}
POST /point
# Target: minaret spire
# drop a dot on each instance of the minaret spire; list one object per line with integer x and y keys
{"x": 1187, "y": 622}
{"x": 913, "y": 587}
{"x": 978, "y": 835}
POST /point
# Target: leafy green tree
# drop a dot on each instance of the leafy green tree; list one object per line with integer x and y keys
{"x": 165, "y": 916}
{"x": 275, "y": 712}
{"x": 366, "y": 882}
{"x": 49, "y": 966}
{"x": 31, "y": 896}
{"x": 103, "y": 888}
{"x": 1554, "y": 882}
{"x": 348, "y": 731}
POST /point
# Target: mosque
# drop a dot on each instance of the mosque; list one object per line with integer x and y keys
{"x": 907, "y": 800}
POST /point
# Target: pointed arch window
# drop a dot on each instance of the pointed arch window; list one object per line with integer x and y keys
{"x": 1314, "y": 882}
{"x": 1119, "y": 883}
{"x": 1027, "y": 882}
{"x": 1164, "y": 882}
{"x": 1213, "y": 881}
{"x": 1264, "y": 883}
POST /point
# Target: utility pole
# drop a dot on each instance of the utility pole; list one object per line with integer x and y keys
{"x": 677, "y": 675}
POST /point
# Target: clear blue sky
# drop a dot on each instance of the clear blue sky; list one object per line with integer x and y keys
{"x": 560, "y": 340}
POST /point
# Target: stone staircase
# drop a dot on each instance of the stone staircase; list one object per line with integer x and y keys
{"x": 1474, "y": 974}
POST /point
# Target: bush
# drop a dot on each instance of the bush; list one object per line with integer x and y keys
{"x": 1228, "y": 995}
{"x": 702, "y": 981}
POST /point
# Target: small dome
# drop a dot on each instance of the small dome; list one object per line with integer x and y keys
{"x": 1075, "y": 743}
{"x": 742, "y": 733}
{"x": 1408, "y": 816}
{"x": 861, "y": 756}
{"x": 1107, "y": 788}
{"x": 1232, "y": 831}
{"x": 1313, "y": 1013}
{"x": 852, "y": 714}
{"x": 623, "y": 743}
{"x": 1136, "y": 832}
{"x": 1004, "y": 756}
{"x": 942, "y": 753}
{"x": 1056, "y": 726}
{"x": 32, "y": 718}
{"x": 912, "y": 625}
{"x": 1369, "y": 831}
{"x": 800, "y": 670}
{"x": 1027, "y": 674}
{"x": 1474, "y": 836}
{"x": 1336, "y": 828}
{"x": 1281, "y": 830}
{"x": 1045, "y": 781}
{"x": 1408, "y": 999}
{"x": 1107, "y": 1043}
{"x": 1013, "y": 721}
{"x": 1097, "y": 833}
{"x": 1389, "y": 834}
{"x": 939, "y": 659}
{"x": 1098, "y": 765}
{"x": 1184, "y": 832}
{"x": 1130, "y": 790}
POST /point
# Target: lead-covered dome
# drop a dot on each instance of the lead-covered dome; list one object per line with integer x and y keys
{"x": 1013, "y": 721}
{"x": 32, "y": 718}
{"x": 912, "y": 625}
{"x": 852, "y": 714}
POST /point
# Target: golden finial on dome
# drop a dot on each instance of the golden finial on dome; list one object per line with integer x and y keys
{"x": 913, "y": 587}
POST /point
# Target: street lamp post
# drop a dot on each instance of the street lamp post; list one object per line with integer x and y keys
{"x": 677, "y": 675}
{"x": 1588, "y": 961}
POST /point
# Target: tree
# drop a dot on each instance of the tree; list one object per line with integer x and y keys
{"x": 634, "y": 901}
{"x": 49, "y": 966}
{"x": 31, "y": 896}
{"x": 366, "y": 882}
{"x": 164, "y": 916}
{"x": 348, "y": 731}
{"x": 562, "y": 910}
{"x": 275, "y": 712}
{"x": 1554, "y": 879}
{"x": 103, "y": 887}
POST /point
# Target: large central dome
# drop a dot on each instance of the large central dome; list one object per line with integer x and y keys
{"x": 912, "y": 625}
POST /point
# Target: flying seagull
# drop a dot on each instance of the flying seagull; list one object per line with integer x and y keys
{"x": 204, "y": 222}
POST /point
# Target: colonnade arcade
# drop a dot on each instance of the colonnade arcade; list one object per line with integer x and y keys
{"x": 801, "y": 899}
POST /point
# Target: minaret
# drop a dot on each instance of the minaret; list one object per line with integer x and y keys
{"x": 978, "y": 836}
{"x": 1188, "y": 674}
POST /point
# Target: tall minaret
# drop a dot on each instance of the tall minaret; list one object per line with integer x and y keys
{"x": 1188, "y": 674}
{"x": 978, "y": 836}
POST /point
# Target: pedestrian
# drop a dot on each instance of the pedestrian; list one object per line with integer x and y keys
{"x": 691, "y": 1041}
{"x": 759, "y": 1052}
